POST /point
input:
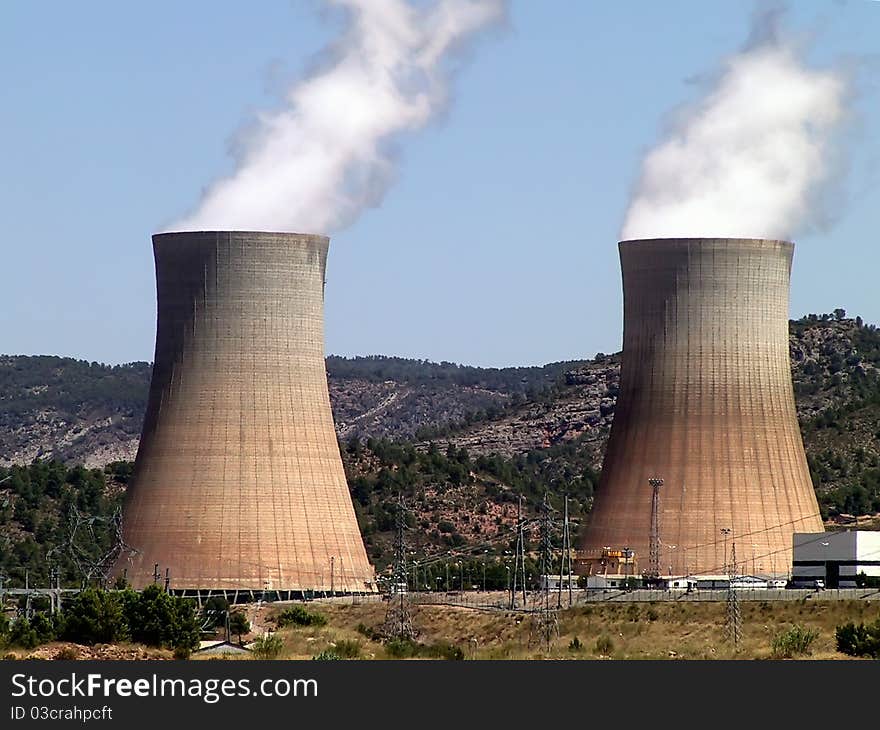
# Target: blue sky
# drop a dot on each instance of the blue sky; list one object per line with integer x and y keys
{"x": 497, "y": 243}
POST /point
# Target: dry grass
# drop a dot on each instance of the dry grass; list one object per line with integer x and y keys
{"x": 636, "y": 630}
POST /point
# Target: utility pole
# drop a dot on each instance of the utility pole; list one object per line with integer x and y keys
{"x": 332, "y": 575}
{"x": 734, "y": 619}
{"x": 547, "y": 621}
{"x": 654, "y": 548}
{"x": 167, "y": 579}
{"x": 155, "y": 572}
{"x": 398, "y": 620}
{"x": 566, "y": 557}
{"x": 517, "y": 552}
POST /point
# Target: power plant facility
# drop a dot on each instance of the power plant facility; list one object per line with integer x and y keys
{"x": 238, "y": 483}
{"x": 705, "y": 471}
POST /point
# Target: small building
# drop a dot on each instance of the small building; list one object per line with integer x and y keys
{"x": 612, "y": 580}
{"x": 558, "y": 582}
{"x": 837, "y": 558}
{"x": 712, "y": 582}
{"x": 681, "y": 583}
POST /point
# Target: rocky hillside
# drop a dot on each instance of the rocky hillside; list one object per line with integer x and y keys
{"x": 90, "y": 413}
{"x": 80, "y": 412}
{"x": 73, "y": 410}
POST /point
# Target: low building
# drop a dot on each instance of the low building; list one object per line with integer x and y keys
{"x": 558, "y": 582}
{"x": 712, "y": 582}
{"x": 613, "y": 580}
{"x": 837, "y": 558}
{"x": 681, "y": 583}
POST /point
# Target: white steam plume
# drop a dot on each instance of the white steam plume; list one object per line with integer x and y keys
{"x": 314, "y": 166}
{"x": 749, "y": 159}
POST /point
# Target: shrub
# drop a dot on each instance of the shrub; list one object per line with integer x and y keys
{"x": 298, "y": 616}
{"x": 348, "y": 649}
{"x": 182, "y": 651}
{"x": 575, "y": 644}
{"x": 267, "y": 646}
{"x": 43, "y": 628}
{"x": 401, "y": 648}
{"x": 367, "y": 631}
{"x": 604, "y": 645}
{"x": 859, "y": 640}
{"x": 652, "y": 614}
{"x": 795, "y": 641}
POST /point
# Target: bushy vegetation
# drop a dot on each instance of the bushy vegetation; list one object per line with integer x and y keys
{"x": 604, "y": 645}
{"x": 859, "y": 639}
{"x": 347, "y": 649}
{"x": 267, "y": 646}
{"x": 95, "y": 616}
{"x": 299, "y": 616}
{"x": 794, "y": 641}
{"x": 400, "y": 648}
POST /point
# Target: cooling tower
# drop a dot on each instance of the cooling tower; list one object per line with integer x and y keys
{"x": 705, "y": 404}
{"x": 238, "y": 482}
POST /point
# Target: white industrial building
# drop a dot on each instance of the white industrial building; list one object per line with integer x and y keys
{"x": 835, "y": 557}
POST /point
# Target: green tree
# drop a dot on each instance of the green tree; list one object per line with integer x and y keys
{"x": 238, "y": 624}
{"x": 95, "y": 617}
{"x": 23, "y": 634}
{"x": 156, "y": 618}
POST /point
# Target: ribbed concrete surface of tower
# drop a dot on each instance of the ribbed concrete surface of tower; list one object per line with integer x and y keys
{"x": 706, "y": 404}
{"x": 238, "y": 481}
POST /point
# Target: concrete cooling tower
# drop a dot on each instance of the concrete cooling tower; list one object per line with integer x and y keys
{"x": 238, "y": 482}
{"x": 705, "y": 404}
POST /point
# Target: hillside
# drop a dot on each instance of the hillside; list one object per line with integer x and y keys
{"x": 90, "y": 413}
{"x": 462, "y": 444}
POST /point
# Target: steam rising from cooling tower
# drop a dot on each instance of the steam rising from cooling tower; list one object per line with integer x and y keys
{"x": 319, "y": 162}
{"x": 750, "y": 158}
